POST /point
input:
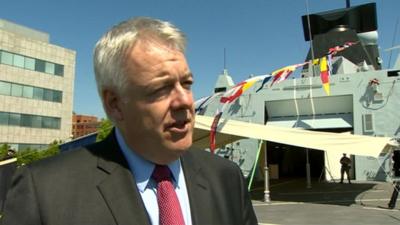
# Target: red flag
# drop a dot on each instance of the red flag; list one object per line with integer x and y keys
{"x": 233, "y": 93}
{"x": 213, "y": 131}
{"x": 339, "y": 48}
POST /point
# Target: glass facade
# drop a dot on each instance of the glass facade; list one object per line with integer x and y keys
{"x": 5, "y": 88}
{"x": 6, "y": 58}
{"x": 18, "y": 90}
{"x": 29, "y": 63}
{"x": 19, "y": 61}
{"x": 25, "y": 146}
{"x": 26, "y": 120}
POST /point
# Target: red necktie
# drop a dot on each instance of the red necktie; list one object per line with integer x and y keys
{"x": 170, "y": 212}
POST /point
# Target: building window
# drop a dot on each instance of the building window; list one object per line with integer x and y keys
{"x": 51, "y": 122}
{"x": 36, "y": 121}
{"x": 26, "y": 120}
{"x": 38, "y": 93}
{"x": 6, "y": 58}
{"x": 48, "y": 95}
{"x": 57, "y": 96}
{"x": 4, "y": 118}
{"x": 27, "y": 92}
{"x": 368, "y": 123}
{"x": 19, "y": 61}
{"x": 59, "y": 70}
{"x": 40, "y": 65}
{"x": 25, "y": 146}
{"x": 5, "y": 88}
{"x": 29, "y": 63}
{"x": 18, "y": 90}
{"x": 15, "y": 119}
{"x": 49, "y": 68}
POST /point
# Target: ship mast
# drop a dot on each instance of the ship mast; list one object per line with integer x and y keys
{"x": 311, "y": 40}
{"x": 347, "y": 3}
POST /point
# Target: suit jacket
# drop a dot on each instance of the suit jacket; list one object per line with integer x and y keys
{"x": 93, "y": 185}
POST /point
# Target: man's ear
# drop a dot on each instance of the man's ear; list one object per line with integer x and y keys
{"x": 112, "y": 105}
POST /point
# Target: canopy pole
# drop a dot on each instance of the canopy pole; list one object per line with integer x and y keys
{"x": 267, "y": 198}
{"x": 253, "y": 171}
{"x": 308, "y": 170}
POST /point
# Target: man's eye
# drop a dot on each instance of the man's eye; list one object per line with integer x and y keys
{"x": 163, "y": 89}
{"x": 187, "y": 84}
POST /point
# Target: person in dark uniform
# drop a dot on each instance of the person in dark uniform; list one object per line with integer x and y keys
{"x": 346, "y": 165}
{"x": 396, "y": 183}
{"x": 395, "y": 194}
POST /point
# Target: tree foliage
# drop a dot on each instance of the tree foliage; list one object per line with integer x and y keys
{"x": 28, "y": 155}
{"x": 105, "y": 128}
{"x": 3, "y": 151}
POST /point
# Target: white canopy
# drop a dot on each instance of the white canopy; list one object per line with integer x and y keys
{"x": 230, "y": 130}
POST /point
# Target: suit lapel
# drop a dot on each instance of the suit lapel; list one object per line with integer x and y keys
{"x": 198, "y": 190}
{"x": 118, "y": 187}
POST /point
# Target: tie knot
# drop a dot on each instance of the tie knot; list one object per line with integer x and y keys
{"x": 161, "y": 173}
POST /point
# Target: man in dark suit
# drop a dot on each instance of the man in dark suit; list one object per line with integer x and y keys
{"x": 145, "y": 85}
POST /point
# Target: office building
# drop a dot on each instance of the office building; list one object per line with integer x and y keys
{"x": 36, "y": 88}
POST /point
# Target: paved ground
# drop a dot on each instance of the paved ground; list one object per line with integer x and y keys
{"x": 326, "y": 203}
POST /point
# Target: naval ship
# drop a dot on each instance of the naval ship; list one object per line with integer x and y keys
{"x": 362, "y": 100}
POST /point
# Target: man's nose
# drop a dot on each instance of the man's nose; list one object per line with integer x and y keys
{"x": 182, "y": 97}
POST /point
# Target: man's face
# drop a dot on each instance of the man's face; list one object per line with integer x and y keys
{"x": 157, "y": 109}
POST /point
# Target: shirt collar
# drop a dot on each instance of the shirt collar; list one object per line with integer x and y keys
{"x": 142, "y": 168}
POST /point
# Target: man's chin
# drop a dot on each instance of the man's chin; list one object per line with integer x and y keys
{"x": 179, "y": 142}
{"x": 180, "y": 148}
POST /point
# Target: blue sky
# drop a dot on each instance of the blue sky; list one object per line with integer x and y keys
{"x": 259, "y": 35}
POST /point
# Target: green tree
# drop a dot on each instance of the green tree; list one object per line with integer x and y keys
{"x": 105, "y": 128}
{"x": 28, "y": 155}
{"x": 3, "y": 150}
{"x": 53, "y": 149}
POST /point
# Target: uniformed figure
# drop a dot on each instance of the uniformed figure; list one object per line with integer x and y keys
{"x": 346, "y": 165}
{"x": 396, "y": 183}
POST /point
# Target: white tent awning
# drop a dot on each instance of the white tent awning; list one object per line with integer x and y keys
{"x": 231, "y": 130}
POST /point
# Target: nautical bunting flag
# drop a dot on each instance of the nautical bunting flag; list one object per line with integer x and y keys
{"x": 266, "y": 79}
{"x": 324, "y": 74}
{"x": 283, "y": 73}
{"x": 325, "y": 64}
{"x": 339, "y": 48}
{"x": 200, "y": 103}
{"x": 233, "y": 93}
{"x": 230, "y": 96}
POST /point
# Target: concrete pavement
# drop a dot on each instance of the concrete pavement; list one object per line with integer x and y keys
{"x": 359, "y": 203}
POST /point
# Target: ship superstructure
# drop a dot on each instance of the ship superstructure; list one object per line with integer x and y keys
{"x": 363, "y": 100}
